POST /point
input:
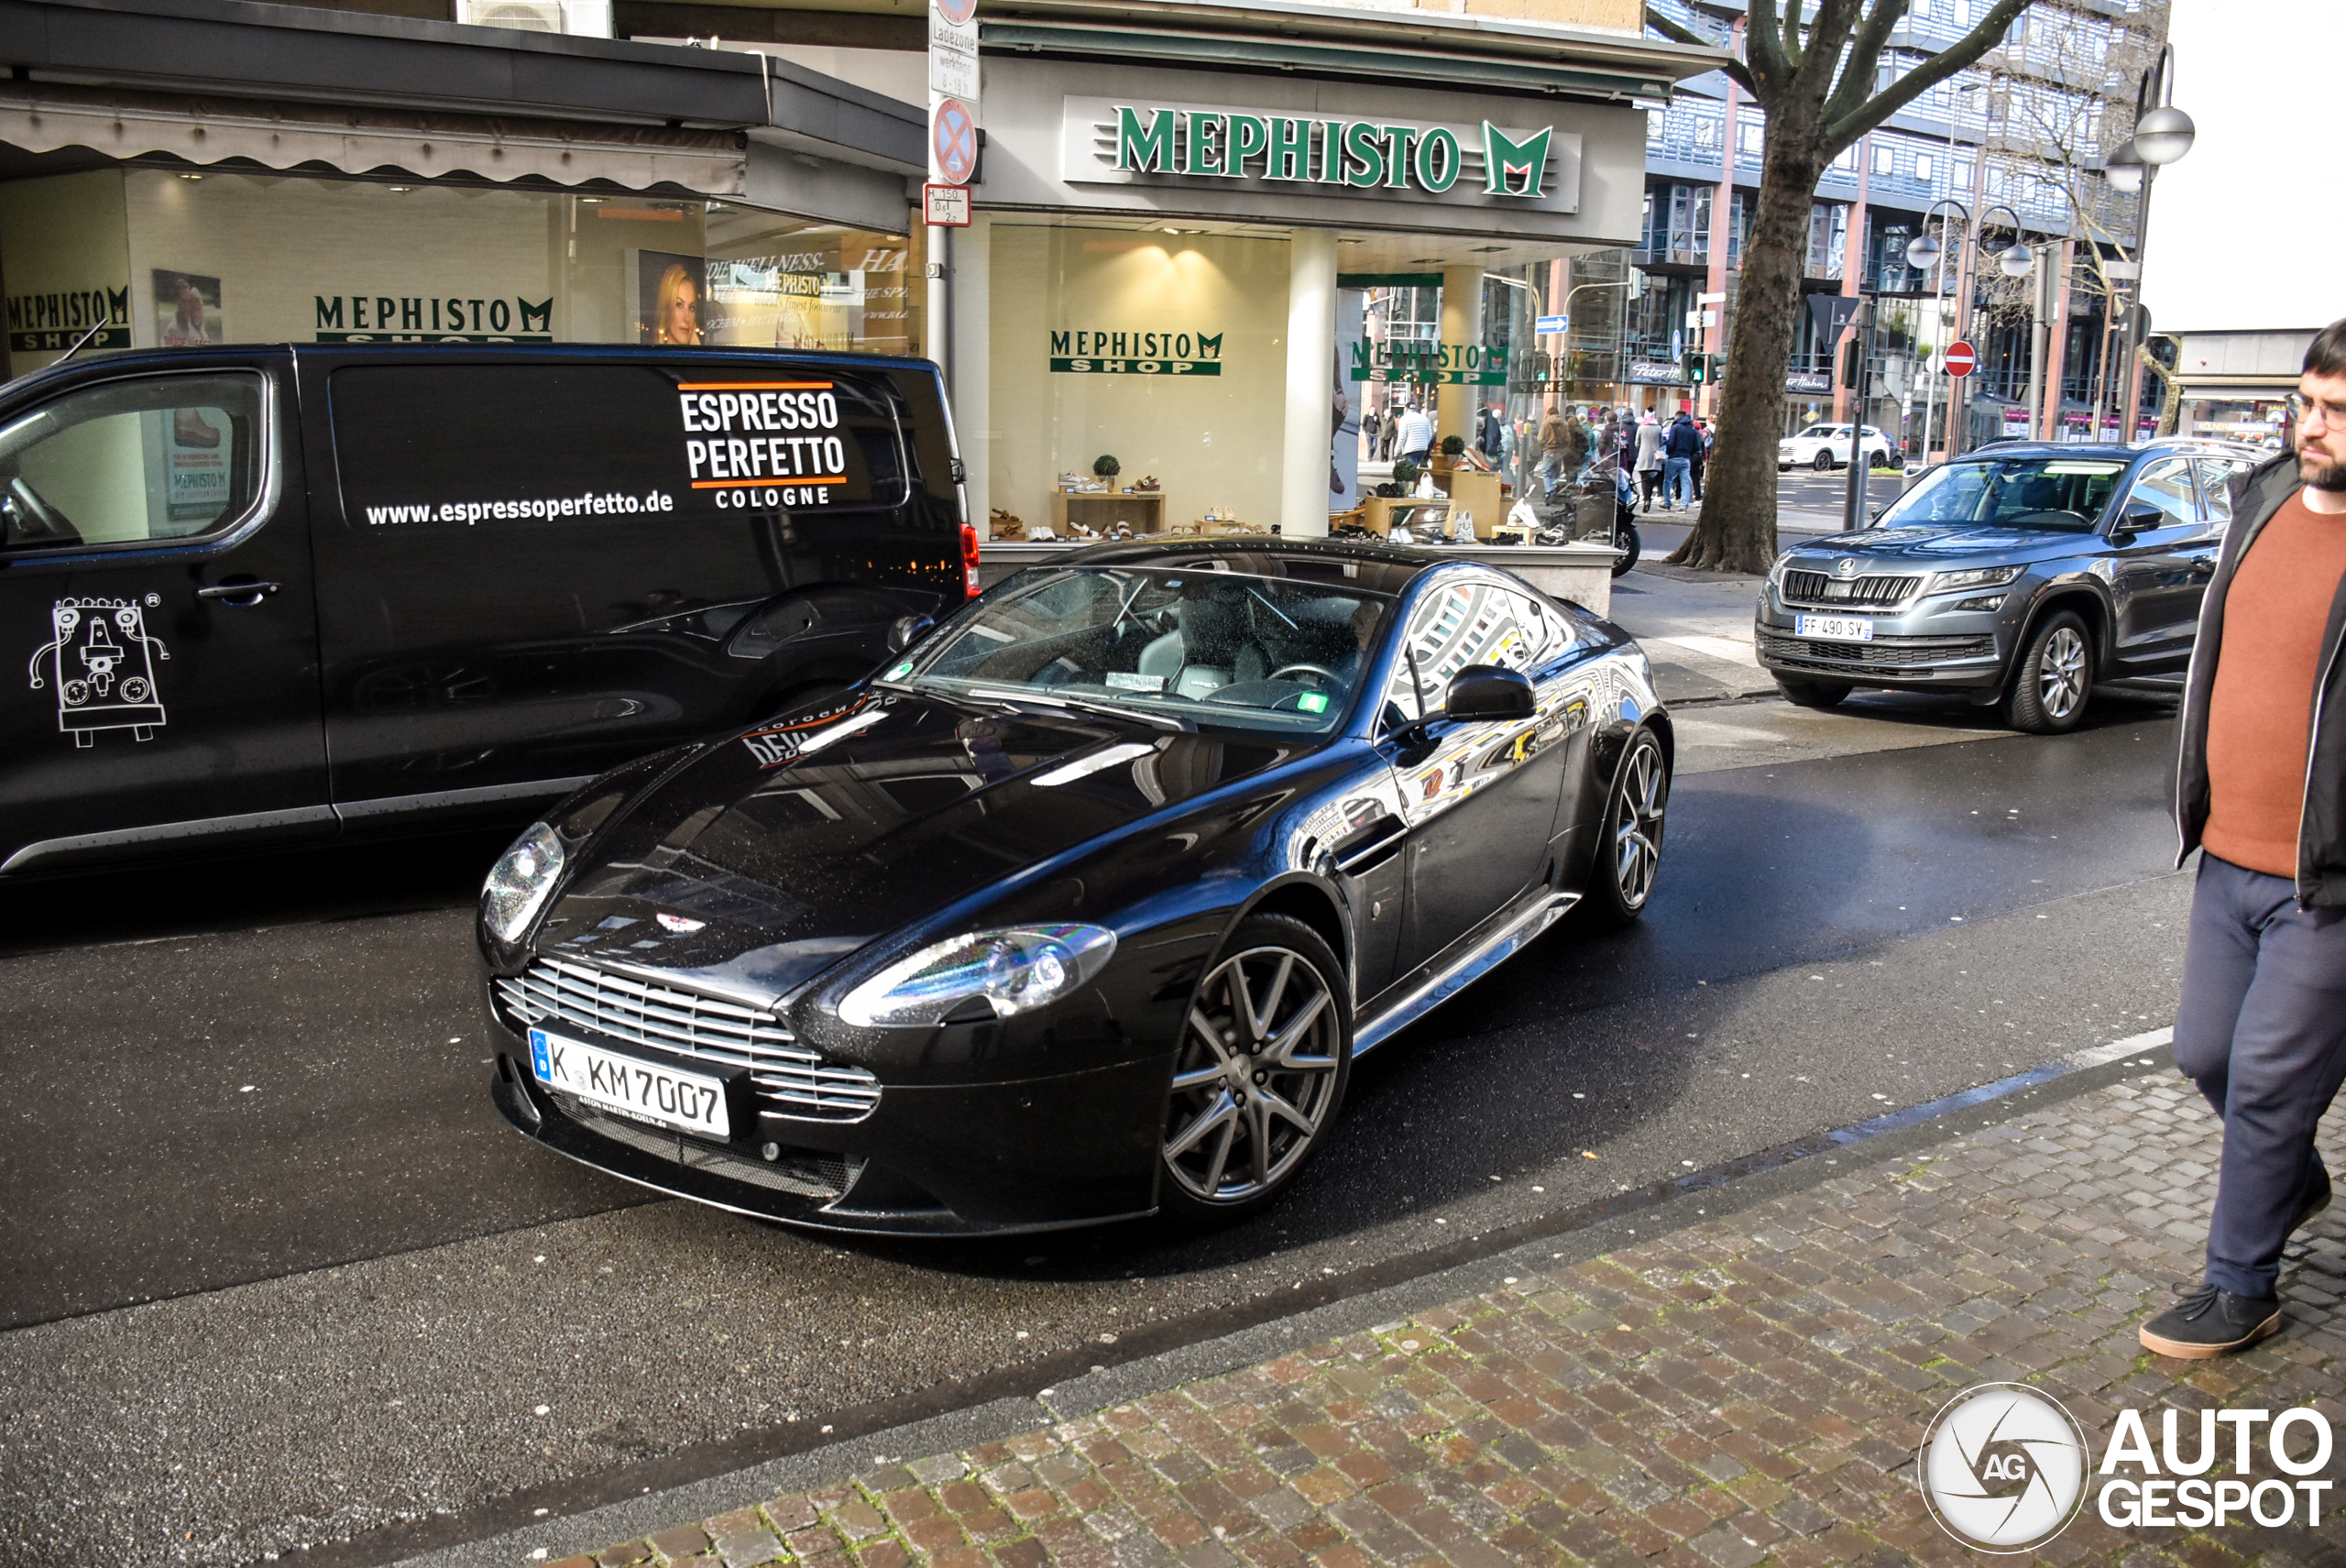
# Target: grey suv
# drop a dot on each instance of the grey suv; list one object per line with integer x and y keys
{"x": 2019, "y": 576}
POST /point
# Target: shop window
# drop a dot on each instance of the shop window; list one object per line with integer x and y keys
{"x": 132, "y": 462}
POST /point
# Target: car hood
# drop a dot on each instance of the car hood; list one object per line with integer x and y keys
{"x": 1929, "y": 545}
{"x": 775, "y": 852}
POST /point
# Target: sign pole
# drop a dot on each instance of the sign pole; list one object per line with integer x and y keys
{"x": 952, "y": 153}
{"x": 1853, "y": 514}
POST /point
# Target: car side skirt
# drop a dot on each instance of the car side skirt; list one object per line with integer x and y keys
{"x": 1510, "y": 937}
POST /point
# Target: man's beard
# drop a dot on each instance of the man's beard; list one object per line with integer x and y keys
{"x": 2320, "y": 470}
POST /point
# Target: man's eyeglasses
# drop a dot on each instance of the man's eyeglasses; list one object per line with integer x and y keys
{"x": 2305, "y": 407}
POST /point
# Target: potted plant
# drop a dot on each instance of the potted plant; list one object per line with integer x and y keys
{"x": 1445, "y": 457}
{"x": 1105, "y": 468}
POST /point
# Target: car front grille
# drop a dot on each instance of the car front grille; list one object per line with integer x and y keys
{"x": 1843, "y": 593}
{"x": 803, "y": 1173}
{"x": 796, "y": 1080}
{"x": 1882, "y": 656}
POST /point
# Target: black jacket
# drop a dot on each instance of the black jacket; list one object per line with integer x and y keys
{"x": 1683, "y": 440}
{"x": 2321, "y": 825}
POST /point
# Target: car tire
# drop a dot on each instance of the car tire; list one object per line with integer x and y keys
{"x": 1629, "y": 849}
{"x": 2053, "y": 677}
{"x": 1812, "y": 693}
{"x": 1218, "y": 1115}
{"x": 1625, "y": 539}
{"x": 1878, "y": 460}
{"x": 1823, "y": 462}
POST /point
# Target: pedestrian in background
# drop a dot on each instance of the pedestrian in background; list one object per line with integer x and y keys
{"x": 1680, "y": 446}
{"x": 1416, "y": 438}
{"x": 1368, "y": 422}
{"x": 1649, "y": 459}
{"x": 1702, "y": 459}
{"x": 2260, "y": 792}
{"x": 1563, "y": 447}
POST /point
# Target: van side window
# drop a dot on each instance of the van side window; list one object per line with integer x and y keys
{"x": 131, "y": 462}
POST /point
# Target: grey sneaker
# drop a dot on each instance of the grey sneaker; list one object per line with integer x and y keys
{"x": 2208, "y": 1322}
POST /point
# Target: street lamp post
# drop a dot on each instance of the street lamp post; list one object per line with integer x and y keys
{"x": 2163, "y": 134}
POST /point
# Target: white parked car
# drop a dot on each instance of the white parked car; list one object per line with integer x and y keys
{"x": 1823, "y": 446}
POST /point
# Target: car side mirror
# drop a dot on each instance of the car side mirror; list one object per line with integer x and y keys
{"x": 2139, "y": 517}
{"x": 1485, "y": 691}
{"x": 907, "y": 630}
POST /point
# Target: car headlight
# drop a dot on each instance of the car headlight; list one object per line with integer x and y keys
{"x": 1975, "y": 577}
{"x": 519, "y": 883}
{"x": 1013, "y": 970}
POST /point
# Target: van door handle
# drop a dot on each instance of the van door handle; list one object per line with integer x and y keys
{"x": 242, "y": 592}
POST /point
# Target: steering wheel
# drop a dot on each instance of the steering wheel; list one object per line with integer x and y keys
{"x": 1322, "y": 671}
{"x": 39, "y": 519}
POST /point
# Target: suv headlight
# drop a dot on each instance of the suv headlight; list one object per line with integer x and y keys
{"x": 1013, "y": 970}
{"x": 1975, "y": 577}
{"x": 518, "y": 884}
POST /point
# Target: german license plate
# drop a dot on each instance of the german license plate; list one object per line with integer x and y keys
{"x": 1834, "y": 628}
{"x": 685, "y": 1101}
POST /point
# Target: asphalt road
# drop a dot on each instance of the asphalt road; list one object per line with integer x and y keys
{"x": 252, "y": 1099}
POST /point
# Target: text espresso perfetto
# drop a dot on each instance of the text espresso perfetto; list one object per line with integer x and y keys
{"x": 785, "y": 439}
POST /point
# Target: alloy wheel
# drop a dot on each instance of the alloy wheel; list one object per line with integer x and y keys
{"x": 2061, "y": 673}
{"x": 1255, "y": 1080}
{"x": 1641, "y": 798}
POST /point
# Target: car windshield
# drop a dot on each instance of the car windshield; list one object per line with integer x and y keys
{"x": 2067, "y": 494}
{"x": 1185, "y": 644}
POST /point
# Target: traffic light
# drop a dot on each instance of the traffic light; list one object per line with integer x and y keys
{"x": 1853, "y": 361}
{"x": 1695, "y": 367}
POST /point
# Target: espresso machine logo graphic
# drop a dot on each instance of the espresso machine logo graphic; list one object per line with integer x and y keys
{"x": 103, "y": 664}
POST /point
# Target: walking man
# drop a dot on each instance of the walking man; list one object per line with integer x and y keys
{"x": 1648, "y": 458}
{"x": 2261, "y": 790}
{"x": 1563, "y": 446}
{"x": 1415, "y": 437}
{"x": 1680, "y": 447}
{"x": 1702, "y": 457}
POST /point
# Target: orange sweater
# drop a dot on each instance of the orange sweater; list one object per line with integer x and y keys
{"x": 2260, "y": 713}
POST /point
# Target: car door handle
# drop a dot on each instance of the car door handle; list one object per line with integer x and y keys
{"x": 243, "y": 592}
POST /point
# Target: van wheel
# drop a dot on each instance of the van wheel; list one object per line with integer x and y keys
{"x": 2053, "y": 678}
{"x": 1812, "y": 693}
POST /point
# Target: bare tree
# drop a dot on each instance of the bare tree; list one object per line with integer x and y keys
{"x": 1810, "y": 67}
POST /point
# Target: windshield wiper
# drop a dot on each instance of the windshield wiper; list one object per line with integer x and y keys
{"x": 1082, "y": 704}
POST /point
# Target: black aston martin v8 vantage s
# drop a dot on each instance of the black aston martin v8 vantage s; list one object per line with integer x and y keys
{"x": 1082, "y": 907}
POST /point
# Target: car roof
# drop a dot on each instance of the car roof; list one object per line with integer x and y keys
{"x": 2006, "y": 449}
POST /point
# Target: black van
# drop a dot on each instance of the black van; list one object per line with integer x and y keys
{"x": 283, "y": 593}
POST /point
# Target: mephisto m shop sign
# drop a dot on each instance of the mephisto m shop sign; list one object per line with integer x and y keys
{"x": 1108, "y": 142}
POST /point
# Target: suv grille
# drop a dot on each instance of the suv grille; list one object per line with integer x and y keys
{"x": 1882, "y": 654}
{"x": 799, "y": 1080}
{"x": 1815, "y": 587}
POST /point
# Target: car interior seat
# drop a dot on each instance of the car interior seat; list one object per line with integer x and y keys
{"x": 1209, "y": 647}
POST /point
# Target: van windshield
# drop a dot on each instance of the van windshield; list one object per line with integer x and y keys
{"x": 2063, "y": 494}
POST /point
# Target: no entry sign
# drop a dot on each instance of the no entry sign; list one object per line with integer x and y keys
{"x": 1961, "y": 357}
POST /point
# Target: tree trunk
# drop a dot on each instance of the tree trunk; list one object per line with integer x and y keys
{"x": 1736, "y": 532}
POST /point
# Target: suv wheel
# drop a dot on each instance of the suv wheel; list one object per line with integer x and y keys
{"x": 2053, "y": 677}
{"x": 1822, "y": 462}
{"x": 1812, "y": 693}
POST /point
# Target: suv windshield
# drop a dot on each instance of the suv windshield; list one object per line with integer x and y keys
{"x": 1201, "y": 646}
{"x": 2062, "y": 493}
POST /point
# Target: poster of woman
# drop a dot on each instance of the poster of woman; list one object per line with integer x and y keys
{"x": 187, "y": 310}
{"x": 670, "y": 291}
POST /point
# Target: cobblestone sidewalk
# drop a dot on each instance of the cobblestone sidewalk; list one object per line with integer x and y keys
{"x": 1749, "y": 1390}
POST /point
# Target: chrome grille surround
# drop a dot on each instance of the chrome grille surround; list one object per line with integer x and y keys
{"x": 1816, "y": 590}
{"x": 795, "y": 1079}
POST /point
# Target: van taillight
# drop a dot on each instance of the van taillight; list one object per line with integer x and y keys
{"x": 969, "y": 557}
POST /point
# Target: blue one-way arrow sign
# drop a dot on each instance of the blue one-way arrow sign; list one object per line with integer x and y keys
{"x": 1553, "y": 323}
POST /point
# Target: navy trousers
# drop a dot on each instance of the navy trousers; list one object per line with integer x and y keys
{"x": 2262, "y": 1030}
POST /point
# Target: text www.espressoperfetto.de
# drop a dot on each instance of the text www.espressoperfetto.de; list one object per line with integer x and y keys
{"x": 600, "y": 503}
